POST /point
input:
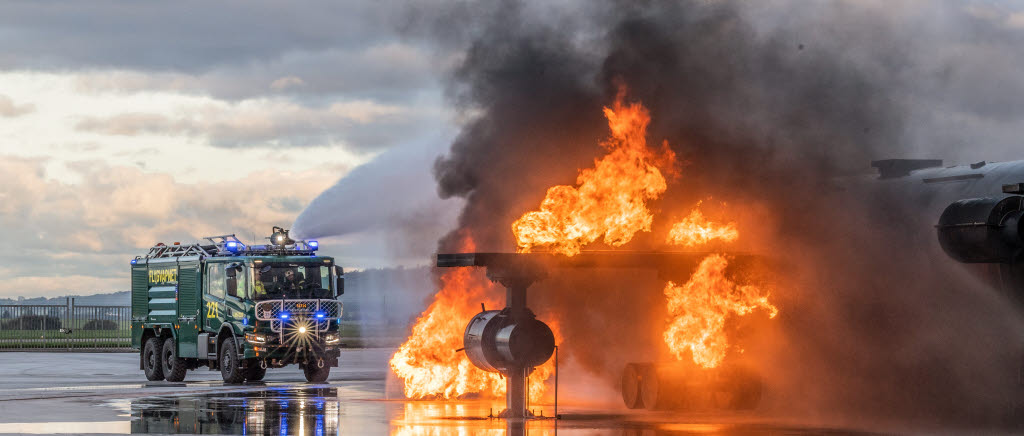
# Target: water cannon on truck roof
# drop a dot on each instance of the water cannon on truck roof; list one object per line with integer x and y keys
{"x": 237, "y": 308}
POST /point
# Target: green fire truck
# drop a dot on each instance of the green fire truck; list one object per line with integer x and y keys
{"x": 236, "y": 308}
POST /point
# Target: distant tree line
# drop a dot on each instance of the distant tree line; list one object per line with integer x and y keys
{"x": 48, "y": 322}
{"x": 99, "y": 324}
{"x": 32, "y": 322}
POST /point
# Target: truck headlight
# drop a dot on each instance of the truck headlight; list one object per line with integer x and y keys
{"x": 256, "y": 338}
{"x": 332, "y": 338}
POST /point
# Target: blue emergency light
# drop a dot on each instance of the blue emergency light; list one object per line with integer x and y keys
{"x": 284, "y": 316}
{"x": 313, "y": 245}
{"x": 319, "y": 315}
{"x": 135, "y": 261}
{"x": 232, "y": 246}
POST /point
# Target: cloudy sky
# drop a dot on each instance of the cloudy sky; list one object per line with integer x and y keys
{"x": 127, "y": 123}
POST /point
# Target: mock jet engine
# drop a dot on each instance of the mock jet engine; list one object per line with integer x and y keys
{"x": 496, "y": 342}
{"x": 984, "y": 230}
{"x": 988, "y": 230}
{"x": 981, "y": 205}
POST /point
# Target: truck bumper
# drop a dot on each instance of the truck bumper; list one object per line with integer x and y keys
{"x": 285, "y": 355}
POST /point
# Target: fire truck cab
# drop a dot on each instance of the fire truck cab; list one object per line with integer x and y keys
{"x": 236, "y": 308}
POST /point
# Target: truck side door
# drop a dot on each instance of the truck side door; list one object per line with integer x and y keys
{"x": 189, "y": 310}
{"x": 214, "y": 291}
{"x": 237, "y": 292}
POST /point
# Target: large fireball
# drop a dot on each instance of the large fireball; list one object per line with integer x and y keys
{"x": 699, "y": 308}
{"x": 609, "y": 200}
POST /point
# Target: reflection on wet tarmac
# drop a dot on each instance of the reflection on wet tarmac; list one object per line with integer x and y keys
{"x": 86, "y": 427}
{"x": 428, "y": 418}
{"x": 329, "y": 410}
{"x": 272, "y": 411}
{"x": 436, "y": 418}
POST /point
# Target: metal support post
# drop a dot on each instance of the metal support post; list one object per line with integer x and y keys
{"x": 515, "y": 380}
{"x": 515, "y": 300}
{"x": 515, "y": 397}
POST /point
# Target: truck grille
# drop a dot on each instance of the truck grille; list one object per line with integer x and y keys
{"x": 272, "y": 311}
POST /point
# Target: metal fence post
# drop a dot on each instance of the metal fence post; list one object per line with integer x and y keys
{"x": 70, "y": 309}
{"x": 108, "y": 327}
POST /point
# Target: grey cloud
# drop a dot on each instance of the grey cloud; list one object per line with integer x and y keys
{"x": 127, "y": 124}
{"x": 9, "y": 109}
{"x": 954, "y": 65}
{"x": 92, "y": 228}
{"x": 233, "y": 50}
{"x": 58, "y": 263}
{"x": 359, "y": 126}
{"x": 384, "y": 70}
{"x": 286, "y": 204}
{"x": 312, "y": 58}
{"x": 190, "y": 36}
{"x": 286, "y": 82}
{"x": 77, "y": 147}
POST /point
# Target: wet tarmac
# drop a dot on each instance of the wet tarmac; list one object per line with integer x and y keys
{"x": 334, "y": 410}
{"x": 53, "y": 393}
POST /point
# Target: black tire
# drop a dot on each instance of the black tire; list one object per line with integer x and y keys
{"x": 173, "y": 366}
{"x": 314, "y": 374}
{"x": 230, "y": 370}
{"x": 631, "y": 386}
{"x": 254, "y": 372}
{"x": 151, "y": 360}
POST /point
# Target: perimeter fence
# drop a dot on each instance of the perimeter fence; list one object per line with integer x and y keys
{"x": 66, "y": 327}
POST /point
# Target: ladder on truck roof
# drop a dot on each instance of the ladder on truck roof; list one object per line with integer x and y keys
{"x": 163, "y": 251}
{"x": 218, "y": 245}
{"x": 224, "y": 245}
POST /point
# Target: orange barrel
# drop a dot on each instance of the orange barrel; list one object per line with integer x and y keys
{"x": 667, "y": 387}
{"x": 631, "y": 386}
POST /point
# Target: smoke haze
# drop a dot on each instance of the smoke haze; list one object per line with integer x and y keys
{"x": 384, "y": 210}
{"x": 774, "y": 108}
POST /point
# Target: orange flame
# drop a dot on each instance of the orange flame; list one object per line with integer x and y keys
{"x": 427, "y": 362}
{"x": 698, "y": 311}
{"x": 428, "y": 418}
{"x": 609, "y": 199}
{"x": 697, "y": 230}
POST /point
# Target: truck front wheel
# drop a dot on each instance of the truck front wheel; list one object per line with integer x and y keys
{"x": 254, "y": 372}
{"x": 230, "y": 370}
{"x": 314, "y": 374}
{"x": 174, "y": 366}
{"x": 151, "y": 360}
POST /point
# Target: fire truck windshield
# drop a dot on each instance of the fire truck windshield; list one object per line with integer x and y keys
{"x": 291, "y": 281}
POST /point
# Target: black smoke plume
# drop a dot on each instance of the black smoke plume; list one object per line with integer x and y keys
{"x": 775, "y": 108}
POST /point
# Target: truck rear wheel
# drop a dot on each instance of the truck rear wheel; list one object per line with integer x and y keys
{"x": 173, "y": 366}
{"x": 254, "y": 372}
{"x": 230, "y": 370}
{"x": 314, "y": 374}
{"x": 151, "y": 360}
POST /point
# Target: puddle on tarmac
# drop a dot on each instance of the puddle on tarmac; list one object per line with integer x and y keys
{"x": 354, "y": 411}
{"x": 331, "y": 410}
{"x": 109, "y": 427}
{"x": 273, "y": 411}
